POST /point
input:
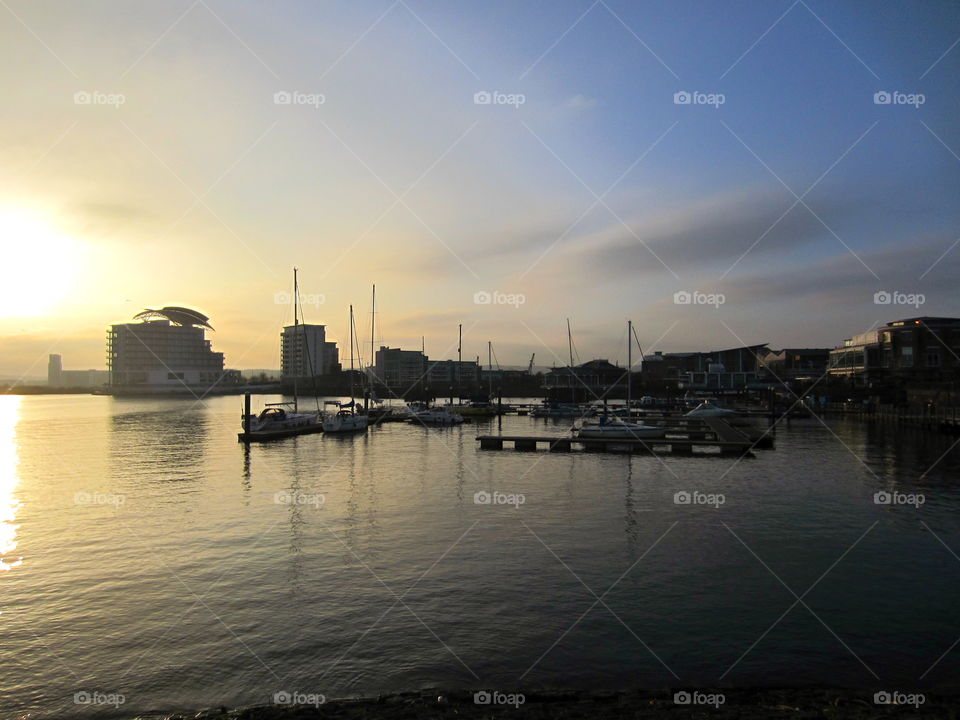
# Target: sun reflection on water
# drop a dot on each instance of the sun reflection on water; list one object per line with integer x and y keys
{"x": 9, "y": 505}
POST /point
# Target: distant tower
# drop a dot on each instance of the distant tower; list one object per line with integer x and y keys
{"x": 55, "y": 371}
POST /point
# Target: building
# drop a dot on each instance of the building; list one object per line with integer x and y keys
{"x": 733, "y": 370}
{"x": 399, "y": 368}
{"x": 167, "y": 351}
{"x": 795, "y": 363}
{"x": 55, "y": 371}
{"x": 454, "y": 372}
{"x": 57, "y": 377}
{"x": 305, "y": 351}
{"x": 919, "y": 349}
{"x": 584, "y": 382}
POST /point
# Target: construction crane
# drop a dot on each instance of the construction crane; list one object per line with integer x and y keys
{"x": 530, "y": 366}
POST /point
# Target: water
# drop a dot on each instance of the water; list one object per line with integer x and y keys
{"x": 157, "y": 562}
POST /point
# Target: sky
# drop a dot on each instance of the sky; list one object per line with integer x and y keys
{"x": 500, "y": 165}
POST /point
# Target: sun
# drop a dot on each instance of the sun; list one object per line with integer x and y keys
{"x": 39, "y": 264}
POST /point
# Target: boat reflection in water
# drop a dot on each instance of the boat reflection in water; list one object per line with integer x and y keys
{"x": 9, "y": 505}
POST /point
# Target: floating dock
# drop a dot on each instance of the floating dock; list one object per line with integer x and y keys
{"x": 706, "y": 434}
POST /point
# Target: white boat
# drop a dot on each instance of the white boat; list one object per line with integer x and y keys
{"x": 709, "y": 409}
{"x": 616, "y": 428}
{"x": 276, "y": 421}
{"x": 345, "y": 421}
{"x": 438, "y": 416}
{"x": 346, "y": 418}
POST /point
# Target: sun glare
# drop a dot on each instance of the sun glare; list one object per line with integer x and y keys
{"x": 39, "y": 264}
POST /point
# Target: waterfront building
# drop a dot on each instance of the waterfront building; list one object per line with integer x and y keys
{"x": 399, "y": 368}
{"x": 593, "y": 374}
{"x": 306, "y": 352}
{"x": 454, "y": 372}
{"x": 733, "y": 369}
{"x": 166, "y": 351}
{"x": 55, "y": 371}
{"x": 57, "y": 377}
{"x": 795, "y": 364}
{"x": 918, "y": 349}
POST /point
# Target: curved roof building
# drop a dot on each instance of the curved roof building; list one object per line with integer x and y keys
{"x": 177, "y": 315}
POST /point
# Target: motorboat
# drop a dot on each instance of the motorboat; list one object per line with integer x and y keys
{"x": 709, "y": 409}
{"x": 617, "y": 428}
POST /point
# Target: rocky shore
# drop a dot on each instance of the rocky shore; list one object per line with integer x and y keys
{"x": 799, "y": 704}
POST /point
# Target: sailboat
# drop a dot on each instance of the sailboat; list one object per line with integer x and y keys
{"x": 346, "y": 419}
{"x": 283, "y": 419}
{"x": 620, "y": 428}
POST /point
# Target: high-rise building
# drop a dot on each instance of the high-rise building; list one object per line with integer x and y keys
{"x": 55, "y": 371}
{"x": 166, "y": 351}
{"x": 305, "y": 351}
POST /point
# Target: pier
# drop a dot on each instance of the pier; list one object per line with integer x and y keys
{"x": 710, "y": 436}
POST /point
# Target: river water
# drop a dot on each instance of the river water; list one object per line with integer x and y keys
{"x": 148, "y": 557}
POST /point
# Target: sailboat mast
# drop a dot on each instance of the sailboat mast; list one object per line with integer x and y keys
{"x": 629, "y": 363}
{"x": 351, "y": 353}
{"x": 490, "y": 367}
{"x": 373, "y": 321}
{"x": 296, "y": 322}
{"x": 459, "y": 352}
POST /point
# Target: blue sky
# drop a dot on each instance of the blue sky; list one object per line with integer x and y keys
{"x": 597, "y": 198}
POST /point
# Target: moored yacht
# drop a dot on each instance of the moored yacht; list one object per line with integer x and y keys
{"x": 346, "y": 419}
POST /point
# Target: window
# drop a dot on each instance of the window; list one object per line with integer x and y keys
{"x": 906, "y": 357}
{"x": 933, "y": 357}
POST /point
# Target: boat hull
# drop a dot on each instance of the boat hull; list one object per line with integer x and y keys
{"x": 278, "y": 434}
{"x": 353, "y": 423}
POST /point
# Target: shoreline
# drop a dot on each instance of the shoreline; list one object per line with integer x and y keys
{"x": 704, "y": 702}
